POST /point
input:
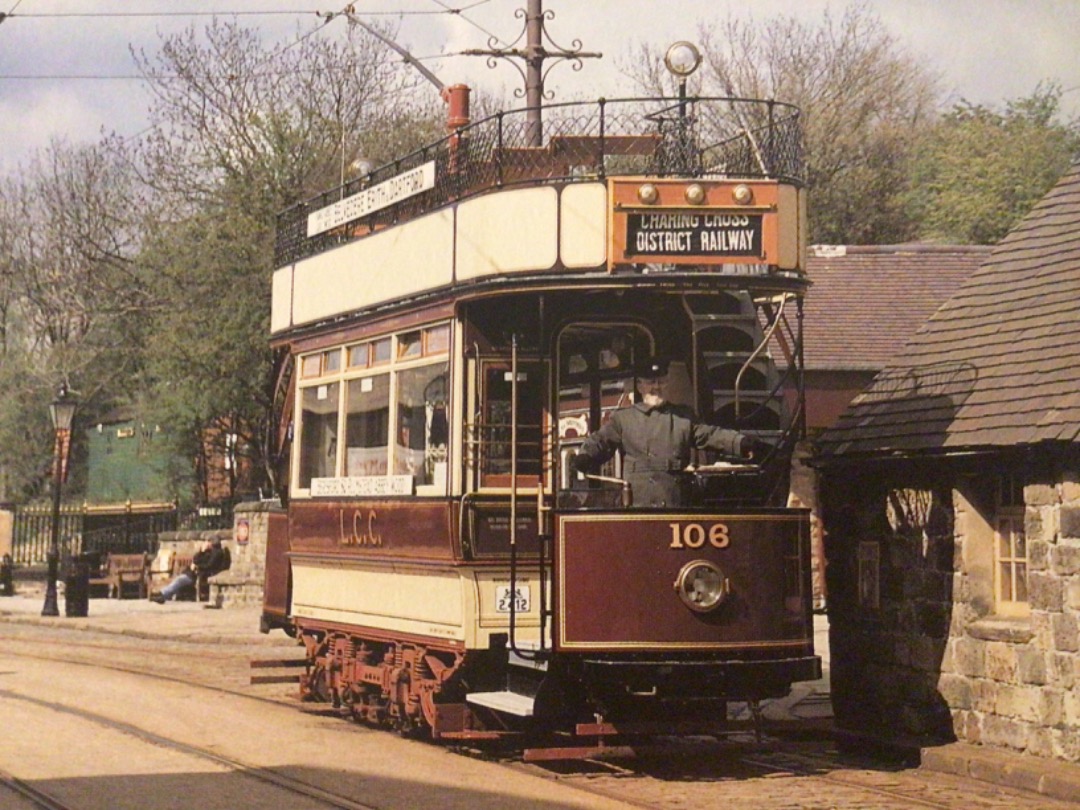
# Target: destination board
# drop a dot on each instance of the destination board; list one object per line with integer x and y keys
{"x": 368, "y": 201}
{"x": 693, "y": 234}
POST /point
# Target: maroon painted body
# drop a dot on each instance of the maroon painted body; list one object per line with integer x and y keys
{"x": 276, "y": 586}
{"x": 616, "y": 575}
{"x": 414, "y": 530}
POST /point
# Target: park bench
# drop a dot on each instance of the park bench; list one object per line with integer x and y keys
{"x": 119, "y": 572}
{"x": 166, "y": 567}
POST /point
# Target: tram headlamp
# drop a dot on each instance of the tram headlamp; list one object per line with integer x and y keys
{"x": 702, "y": 586}
{"x": 648, "y": 193}
{"x": 695, "y": 194}
{"x": 361, "y": 167}
{"x": 682, "y": 58}
{"x": 742, "y": 194}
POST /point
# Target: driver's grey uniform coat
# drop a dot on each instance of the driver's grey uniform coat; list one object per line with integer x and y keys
{"x": 656, "y": 444}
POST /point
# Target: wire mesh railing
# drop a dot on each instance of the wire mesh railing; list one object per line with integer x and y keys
{"x": 576, "y": 142}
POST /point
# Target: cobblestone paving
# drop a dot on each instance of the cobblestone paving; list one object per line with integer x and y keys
{"x": 810, "y": 776}
{"x": 785, "y": 776}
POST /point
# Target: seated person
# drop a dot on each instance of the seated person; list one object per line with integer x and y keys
{"x": 212, "y": 559}
{"x": 656, "y": 438}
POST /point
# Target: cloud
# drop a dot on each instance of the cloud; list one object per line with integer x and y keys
{"x": 986, "y": 50}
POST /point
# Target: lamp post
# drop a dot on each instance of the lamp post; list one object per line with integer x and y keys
{"x": 62, "y": 411}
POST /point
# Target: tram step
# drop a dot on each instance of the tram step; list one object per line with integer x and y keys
{"x": 505, "y": 702}
{"x": 281, "y": 665}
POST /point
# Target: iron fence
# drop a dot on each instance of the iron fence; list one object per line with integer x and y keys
{"x": 32, "y": 533}
{"x": 576, "y": 142}
{"x": 84, "y": 529}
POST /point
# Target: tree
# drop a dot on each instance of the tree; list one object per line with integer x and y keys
{"x": 242, "y": 131}
{"x": 70, "y": 303}
{"x": 979, "y": 170}
{"x": 864, "y": 102}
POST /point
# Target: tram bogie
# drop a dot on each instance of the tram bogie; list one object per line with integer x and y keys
{"x": 445, "y": 356}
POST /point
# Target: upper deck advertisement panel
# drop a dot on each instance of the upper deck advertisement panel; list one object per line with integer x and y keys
{"x": 369, "y": 200}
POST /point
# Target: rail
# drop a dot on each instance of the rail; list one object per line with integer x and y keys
{"x": 581, "y": 141}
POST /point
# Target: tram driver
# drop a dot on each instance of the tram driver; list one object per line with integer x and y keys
{"x": 656, "y": 437}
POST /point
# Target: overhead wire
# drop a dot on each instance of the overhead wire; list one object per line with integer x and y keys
{"x": 460, "y": 13}
{"x": 325, "y": 19}
{"x": 249, "y": 13}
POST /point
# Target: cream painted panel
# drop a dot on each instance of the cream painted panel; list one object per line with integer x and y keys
{"x": 583, "y": 234}
{"x": 507, "y": 232}
{"x": 487, "y": 584}
{"x": 790, "y": 223}
{"x": 491, "y": 620}
{"x": 429, "y": 604}
{"x": 381, "y": 267}
{"x": 281, "y": 299}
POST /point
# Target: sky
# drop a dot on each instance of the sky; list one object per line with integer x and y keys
{"x": 985, "y": 51}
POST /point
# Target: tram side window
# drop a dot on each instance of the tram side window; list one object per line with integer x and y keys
{"x": 318, "y": 448}
{"x": 367, "y": 419}
{"x": 387, "y": 397}
{"x": 422, "y": 427}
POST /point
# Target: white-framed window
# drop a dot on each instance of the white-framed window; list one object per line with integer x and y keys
{"x": 375, "y": 411}
{"x": 1010, "y": 550}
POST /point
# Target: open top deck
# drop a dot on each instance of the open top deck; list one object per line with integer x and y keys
{"x": 629, "y": 186}
{"x": 581, "y": 141}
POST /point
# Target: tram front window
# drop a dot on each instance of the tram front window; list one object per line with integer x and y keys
{"x": 596, "y": 378}
{"x": 498, "y": 424}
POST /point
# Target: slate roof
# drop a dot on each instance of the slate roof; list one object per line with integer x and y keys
{"x": 867, "y": 300}
{"x": 996, "y": 365}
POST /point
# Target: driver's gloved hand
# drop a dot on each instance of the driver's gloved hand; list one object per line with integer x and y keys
{"x": 753, "y": 449}
{"x": 580, "y": 463}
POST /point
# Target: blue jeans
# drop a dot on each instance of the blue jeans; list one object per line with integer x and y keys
{"x": 183, "y": 580}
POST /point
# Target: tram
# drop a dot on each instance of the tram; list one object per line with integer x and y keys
{"x": 448, "y": 331}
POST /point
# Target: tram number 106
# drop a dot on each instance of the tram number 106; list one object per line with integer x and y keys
{"x": 696, "y": 535}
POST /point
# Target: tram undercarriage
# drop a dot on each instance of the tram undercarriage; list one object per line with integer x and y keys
{"x": 448, "y": 694}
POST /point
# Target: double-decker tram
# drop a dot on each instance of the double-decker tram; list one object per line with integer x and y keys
{"x": 450, "y": 329}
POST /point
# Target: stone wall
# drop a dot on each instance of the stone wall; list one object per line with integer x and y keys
{"x": 1010, "y": 681}
{"x": 918, "y": 647}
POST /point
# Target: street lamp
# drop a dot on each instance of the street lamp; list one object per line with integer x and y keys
{"x": 62, "y": 411}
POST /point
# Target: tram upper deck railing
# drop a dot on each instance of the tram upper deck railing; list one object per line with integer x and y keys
{"x": 582, "y": 141}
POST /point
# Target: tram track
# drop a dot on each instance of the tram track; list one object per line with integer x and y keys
{"x": 182, "y": 657}
{"x": 811, "y": 767}
{"x": 29, "y": 794}
{"x": 695, "y": 766}
{"x": 788, "y": 777}
{"x": 269, "y": 776}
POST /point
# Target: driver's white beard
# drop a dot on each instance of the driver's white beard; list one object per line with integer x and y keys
{"x": 652, "y": 400}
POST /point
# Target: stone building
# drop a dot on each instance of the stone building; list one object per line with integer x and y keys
{"x": 865, "y": 303}
{"x": 951, "y": 493}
